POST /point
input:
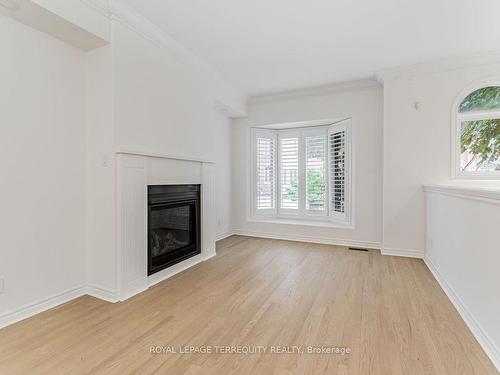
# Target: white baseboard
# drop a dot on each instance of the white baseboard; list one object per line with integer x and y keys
{"x": 103, "y": 293}
{"x": 174, "y": 270}
{"x": 210, "y": 255}
{"x": 223, "y": 235}
{"x": 310, "y": 239}
{"x": 489, "y": 347}
{"x": 178, "y": 268}
{"x": 42, "y": 305}
{"x": 134, "y": 287}
{"x": 408, "y": 253}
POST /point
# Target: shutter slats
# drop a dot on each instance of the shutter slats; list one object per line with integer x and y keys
{"x": 315, "y": 172}
{"x": 289, "y": 172}
{"x": 304, "y": 173}
{"x": 266, "y": 172}
{"x": 337, "y": 171}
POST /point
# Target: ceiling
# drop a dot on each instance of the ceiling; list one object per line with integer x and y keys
{"x": 269, "y": 46}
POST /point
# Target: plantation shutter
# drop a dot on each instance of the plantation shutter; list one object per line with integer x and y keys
{"x": 340, "y": 162}
{"x": 315, "y": 162}
{"x": 265, "y": 155}
{"x": 289, "y": 172}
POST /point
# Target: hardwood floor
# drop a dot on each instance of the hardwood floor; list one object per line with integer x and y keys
{"x": 388, "y": 311}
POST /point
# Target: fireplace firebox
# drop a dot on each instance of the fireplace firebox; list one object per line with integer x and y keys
{"x": 173, "y": 225}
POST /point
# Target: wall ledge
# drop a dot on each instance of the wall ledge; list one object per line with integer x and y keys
{"x": 161, "y": 155}
{"x": 485, "y": 193}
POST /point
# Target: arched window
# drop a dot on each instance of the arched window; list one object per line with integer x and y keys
{"x": 477, "y": 146}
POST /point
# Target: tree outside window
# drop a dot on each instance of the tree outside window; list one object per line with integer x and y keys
{"x": 479, "y": 116}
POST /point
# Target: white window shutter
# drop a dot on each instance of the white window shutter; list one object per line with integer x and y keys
{"x": 339, "y": 148}
{"x": 289, "y": 172}
{"x": 265, "y": 172}
{"x": 315, "y": 172}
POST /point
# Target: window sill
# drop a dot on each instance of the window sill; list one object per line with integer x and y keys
{"x": 302, "y": 222}
{"x": 476, "y": 177}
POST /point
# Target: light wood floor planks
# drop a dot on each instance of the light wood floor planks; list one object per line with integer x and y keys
{"x": 388, "y": 311}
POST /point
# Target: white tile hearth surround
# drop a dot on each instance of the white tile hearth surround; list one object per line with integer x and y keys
{"x": 135, "y": 173}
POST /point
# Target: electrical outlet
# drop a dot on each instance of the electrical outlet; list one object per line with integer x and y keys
{"x": 1, "y": 285}
{"x": 219, "y": 222}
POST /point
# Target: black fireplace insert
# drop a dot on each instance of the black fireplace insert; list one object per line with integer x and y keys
{"x": 173, "y": 225}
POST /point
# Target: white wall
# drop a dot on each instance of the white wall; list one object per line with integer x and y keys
{"x": 462, "y": 250}
{"x": 100, "y": 172}
{"x": 364, "y": 105}
{"x": 42, "y": 159}
{"x": 160, "y": 105}
{"x": 223, "y": 162}
{"x": 417, "y": 147}
{"x": 164, "y": 103}
{"x": 66, "y": 114}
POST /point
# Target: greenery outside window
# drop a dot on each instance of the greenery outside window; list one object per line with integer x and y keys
{"x": 303, "y": 173}
{"x": 477, "y": 147}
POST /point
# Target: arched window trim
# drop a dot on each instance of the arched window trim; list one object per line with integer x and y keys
{"x": 456, "y": 124}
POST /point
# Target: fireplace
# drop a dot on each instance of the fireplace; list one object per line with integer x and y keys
{"x": 173, "y": 225}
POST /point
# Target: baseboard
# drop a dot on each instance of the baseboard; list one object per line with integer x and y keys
{"x": 103, "y": 293}
{"x": 174, "y": 270}
{"x": 310, "y": 239}
{"x": 42, "y": 305}
{"x": 221, "y": 236}
{"x": 178, "y": 268}
{"x": 489, "y": 347}
{"x": 408, "y": 253}
{"x": 210, "y": 255}
{"x": 134, "y": 287}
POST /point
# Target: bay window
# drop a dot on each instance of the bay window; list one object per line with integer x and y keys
{"x": 303, "y": 173}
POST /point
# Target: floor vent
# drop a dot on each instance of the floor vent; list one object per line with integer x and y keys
{"x": 357, "y": 249}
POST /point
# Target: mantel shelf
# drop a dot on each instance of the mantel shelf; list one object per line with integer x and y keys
{"x": 162, "y": 155}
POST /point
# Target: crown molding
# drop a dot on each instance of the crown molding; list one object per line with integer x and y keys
{"x": 118, "y": 11}
{"x": 100, "y": 6}
{"x": 438, "y": 66}
{"x": 128, "y": 17}
{"x": 360, "y": 84}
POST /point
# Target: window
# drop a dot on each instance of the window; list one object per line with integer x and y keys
{"x": 303, "y": 173}
{"x": 477, "y": 140}
{"x": 289, "y": 172}
{"x": 315, "y": 154}
{"x": 266, "y": 171}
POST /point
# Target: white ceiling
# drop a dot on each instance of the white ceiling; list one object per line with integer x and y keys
{"x": 268, "y": 46}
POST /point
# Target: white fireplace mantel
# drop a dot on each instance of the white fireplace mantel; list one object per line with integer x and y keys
{"x": 131, "y": 151}
{"x": 135, "y": 171}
